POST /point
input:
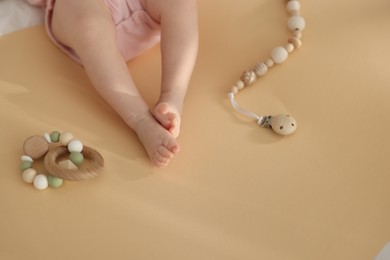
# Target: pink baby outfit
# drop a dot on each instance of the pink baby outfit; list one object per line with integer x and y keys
{"x": 136, "y": 30}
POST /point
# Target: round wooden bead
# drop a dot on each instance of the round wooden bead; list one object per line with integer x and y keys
{"x": 289, "y": 47}
{"x": 283, "y": 124}
{"x": 65, "y": 138}
{"x": 297, "y": 34}
{"x": 240, "y": 84}
{"x": 35, "y": 146}
{"x": 296, "y": 42}
{"x": 248, "y": 77}
{"x": 269, "y": 63}
{"x": 234, "y": 90}
{"x": 28, "y": 175}
{"x": 261, "y": 69}
{"x": 75, "y": 146}
{"x": 55, "y": 136}
{"x": 293, "y": 6}
{"x": 279, "y": 55}
{"x": 296, "y": 23}
{"x": 40, "y": 182}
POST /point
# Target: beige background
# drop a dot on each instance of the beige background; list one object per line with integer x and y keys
{"x": 235, "y": 191}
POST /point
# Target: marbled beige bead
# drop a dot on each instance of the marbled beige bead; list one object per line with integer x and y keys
{"x": 234, "y": 90}
{"x": 248, "y": 77}
{"x": 65, "y": 138}
{"x": 240, "y": 84}
{"x": 269, "y": 63}
{"x": 295, "y": 41}
{"x": 289, "y": 47}
{"x": 28, "y": 175}
{"x": 261, "y": 69}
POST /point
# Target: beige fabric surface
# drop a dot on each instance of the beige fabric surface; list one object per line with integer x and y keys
{"x": 235, "y": 191}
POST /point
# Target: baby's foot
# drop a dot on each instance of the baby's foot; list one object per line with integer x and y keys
{"x": 158, "y": 142}
{"x": 168, "y": 116}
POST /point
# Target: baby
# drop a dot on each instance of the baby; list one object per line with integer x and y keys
{"x": 103, "y": 35}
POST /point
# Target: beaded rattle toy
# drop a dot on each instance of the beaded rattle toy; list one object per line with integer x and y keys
{"x": 35, "y": 147}
{"x": 281, "y": 124}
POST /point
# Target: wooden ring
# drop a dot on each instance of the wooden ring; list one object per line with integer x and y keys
{"x": 96, "y": 167}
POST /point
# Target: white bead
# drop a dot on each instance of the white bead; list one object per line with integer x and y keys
{"x": 279, "y": 55}
{"x": 293, "y": 6}
{"x": 289, "y": 47}
{"x": 40, "y": 182}
{"x": 75, "y": 146}
{"x": 296, "y": 23}
{"x": 28, "y": 175}
{"x": 65, "y": 138}
{"x": 47, "y": 137}
{"x": 240, "y": 84}
{"x": 26, "y": 158}
{"x": 269, "y": 63}
{"x": 261, "y": 69}
{"x": 234, "y": 90}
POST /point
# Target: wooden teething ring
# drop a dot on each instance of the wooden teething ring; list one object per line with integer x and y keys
{"x": 97, "y": 164}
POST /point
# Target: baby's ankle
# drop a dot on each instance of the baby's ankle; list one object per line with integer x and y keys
{"x": 137, "y": 120}
{"x": 173, "y": 98}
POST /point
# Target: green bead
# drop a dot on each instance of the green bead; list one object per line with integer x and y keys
{"x": 25, "y": 165}
{"x": 55, "y": 136}
{"x": 76, "y": 158}
{"x": 54, "y": 181}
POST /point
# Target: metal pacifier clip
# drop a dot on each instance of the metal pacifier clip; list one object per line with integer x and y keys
{"x": 281, "y": 124}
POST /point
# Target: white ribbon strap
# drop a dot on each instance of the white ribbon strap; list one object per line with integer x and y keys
{"x": 244, "y": 112}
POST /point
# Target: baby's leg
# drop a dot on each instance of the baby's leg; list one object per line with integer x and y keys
{"x": 86, "y": 26}
{"x": 179, "y": 47}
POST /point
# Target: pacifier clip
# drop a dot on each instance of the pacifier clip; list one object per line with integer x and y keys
{"x": 280, "y": 124}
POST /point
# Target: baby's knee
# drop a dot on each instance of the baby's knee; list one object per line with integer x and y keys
{"x": 158, "y": 8}
{"x": 74, "y": 19}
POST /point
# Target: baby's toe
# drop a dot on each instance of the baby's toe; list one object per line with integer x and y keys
{"x": 171, "y": 145}
{"x": 163, "y": 151}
